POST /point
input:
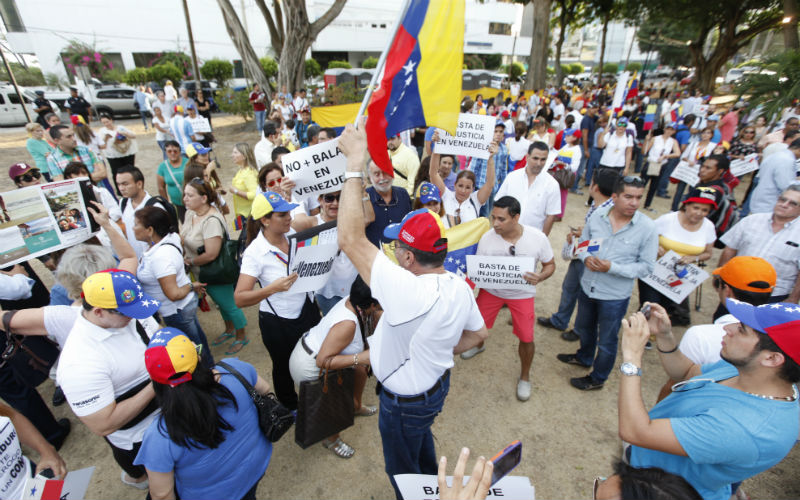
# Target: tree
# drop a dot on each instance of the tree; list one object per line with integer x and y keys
{"x": 339, "y": 64}
{"x": 137, "y": 76}
{"x": 634, "y": 66}
{"x": 166, "y": 71}
{"x": 217, "y": 69}
{"x": 606, "y": 11}
{"x": 576, "y": 68}
{"x": 568, "y": 16}
{"x": 235, "y": 102}
{"x": 790, "y": 12}
{"x": 537, "y": 65}
{"x": 181, "y": 61}
{"x": 776, "y": 91}
{"x": 514, "y": 71}
{"x": 270, "y": 67}
{"x": 473, "y": 61}
{"x": 610, "y": 68}
{"x": 667, "y": 39}
{"x": 250, "y": 62}
{"x": 26, "y": 77}
{"x": 492, "y": 61}
{"x": 370, "y": 63}
{"x": 313, "y": 69}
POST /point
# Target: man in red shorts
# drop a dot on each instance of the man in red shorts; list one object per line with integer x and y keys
{"x": 509, "y": 238}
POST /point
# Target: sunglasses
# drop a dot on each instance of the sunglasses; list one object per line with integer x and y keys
{"x": 28, "y": 176}
{"x": 633, "y": 180}
{"x": 273, "y": 182}
{"x": 330, "y": 198}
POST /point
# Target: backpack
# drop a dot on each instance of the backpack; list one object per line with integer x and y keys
{"x": 158, "y": 200}
{"x": 725, "y": 216}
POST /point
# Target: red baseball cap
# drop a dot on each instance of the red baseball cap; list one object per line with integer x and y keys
{"x": 420, "y": 229}
{"x": 779, "y": 321}
{"x": 18, "y": 169}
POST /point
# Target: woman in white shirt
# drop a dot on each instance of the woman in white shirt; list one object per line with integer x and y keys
{"x": 279, "y": 103}
{"x": 283, "y": 316}
{"x": 162, "y": 273}
{"x": 335, "y": 343}
{"x": 518, "y": 146}
{"x": 659, "y": 148}
{"x": 464, "y": 203}
{"x": 161, "y": 126}
{"x": 617, "y": 147}
{"x": 693, "y": 155}
{"x": 118, "y": 145}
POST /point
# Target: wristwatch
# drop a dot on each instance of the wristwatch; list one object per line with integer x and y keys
{"x": 630, "y": 370}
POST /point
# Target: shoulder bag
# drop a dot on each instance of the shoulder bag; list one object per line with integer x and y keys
{"x": 273, "y": 418}
{"x": 325, "y": 405}
{"x": 30, "y": 357}
{"x": 224, "y": 270}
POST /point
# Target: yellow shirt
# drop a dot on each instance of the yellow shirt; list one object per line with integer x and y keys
{"x": 406, "y": 162}
{"x": 246, "y": 180}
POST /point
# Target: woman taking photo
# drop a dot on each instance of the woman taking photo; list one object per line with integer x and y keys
{"x": 659, "y": 147}
{"x": 118, "y": 145}
{"x": 464, "y": 203}
{"x": 283, "y": 316}
{"x": 207, "y": 442}
{"x": 162, "y": 274}
{"x": 245, "y": 183}
{"x": 202, "y": 233}
{"x": 341, "y": 336}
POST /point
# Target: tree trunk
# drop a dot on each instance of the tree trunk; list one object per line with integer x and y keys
{"x": 537, "y": 64}
{"x": 606, "y": 20}
{"x": 239, "y": 38}
{"x": 707, "y": 69}
{"x": 790, "y": 39}
{"x": 562, "y": 21}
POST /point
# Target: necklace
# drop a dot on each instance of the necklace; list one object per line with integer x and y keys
{"x": 793, "y": 397}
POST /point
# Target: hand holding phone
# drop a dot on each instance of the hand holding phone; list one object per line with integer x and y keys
{"x": 506, "y": 460}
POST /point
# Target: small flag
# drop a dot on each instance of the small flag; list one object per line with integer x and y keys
{"x": 633, "y": 87}
{"x": 239, "y": 222}
{"x": 650, "y": 116}
{"x": 588, "y": 246}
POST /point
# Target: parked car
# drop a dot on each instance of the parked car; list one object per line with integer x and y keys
{"x": 114, "y": 100}
{"x": 11, "y": 112}
{"x": 208, "y": 91}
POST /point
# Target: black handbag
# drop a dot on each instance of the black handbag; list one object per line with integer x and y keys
{"x": 273, "y": 418}
{"x": 564, "y": 176}
{"x": 325, "y": 405}
{"x": 224, "y": 270}
{"x": 30, "y": 357}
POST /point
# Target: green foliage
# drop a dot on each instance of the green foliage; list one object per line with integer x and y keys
{"x": 610, "y": 68}
{"x": 235, "y": 102}
{"x": 26, "y": 77}
{"x": 218, "y": 70}
{"x": 270, "y": 66}
{"x": 137, "y": 76}
{"x": 551, "y": 71}
{"x": 339, "y": 64}
{"x": 370, "y": 63}
{"x": 180, "y": 60}
{"x": 78, "y": 53}
{"x": 472, "y": 61}
{"x": 514, "y": 71}
{"x": 773, "y": 92}
{"x": 576, "y": 68}
{"x": 749, "y": 62}
{"x": 313, "y": 69}
{"x": 115, "y": 75}
{"x": 634, "y": 66}
{"x": 564, "y": 69}
{"x": 55, "y": 81}
{"x": 166, "y": 71}
{"x": 653, "y": 36}
{"x": 343, "y": 94}
{"x": 492, "y": 61}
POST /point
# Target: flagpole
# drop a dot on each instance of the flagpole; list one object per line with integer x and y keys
{"x": 381, "y": 63}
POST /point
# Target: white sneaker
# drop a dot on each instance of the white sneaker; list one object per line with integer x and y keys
{"x": 471, "y": 353}
{"x": 141, "y": 485}
{"x": 523, "y": 390}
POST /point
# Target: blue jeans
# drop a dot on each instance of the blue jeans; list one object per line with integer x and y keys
{"x": 666, "y": 171}
{"x": 260, "y": 117}
{"x": 406, "y": 435}
{"x": 185, "y": 320}
{"x": 569, "y": 295}
{"x": 597, "y": 325}
{"x": 745, "y": 210}
{"x": 678, "y": 198}
{"x": 163, "y": 146}
{"x": 326, "y": 304}
{"x": 594, "y": 161}
{"x": 143, "y": 114}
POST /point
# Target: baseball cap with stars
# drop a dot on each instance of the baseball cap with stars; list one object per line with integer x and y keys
{"x": 120, "y": 291}
{"x": 780, "y": 321}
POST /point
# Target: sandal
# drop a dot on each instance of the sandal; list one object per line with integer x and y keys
{"x": 241, "y": 343}
{"x": 339, "y": 448}
{"x": 226, "y": 336}
{"x": 366, "y": 411}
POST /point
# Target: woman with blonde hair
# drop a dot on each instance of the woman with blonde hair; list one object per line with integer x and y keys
{"x": 245, "y": 183}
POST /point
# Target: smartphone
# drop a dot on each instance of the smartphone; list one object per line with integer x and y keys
{"x": 505, "y": 460}
{"x": 646, "y": 311}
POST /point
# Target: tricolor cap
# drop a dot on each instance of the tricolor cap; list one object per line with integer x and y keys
{"x": 748, "y": 273}
{"x": 570, "y": 131}
{"x": 780, "y": 322}
{"x": 700, "y": 195}
{"x": 171, "y": 357}
{"x": 622, "y": 122}
{"x": 77, "y": 120}
{"x": 268, "y": 202}
{"x": 195, "y": 148}
{"x": 18, "y": 169}
{"x": 118, "y": 290}
{"x": 178, "y": 108}
{"x": 429, "y": 192}
{"x": 420, "y": 229}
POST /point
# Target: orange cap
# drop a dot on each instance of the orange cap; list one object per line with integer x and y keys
{"x": 747, "y": 273}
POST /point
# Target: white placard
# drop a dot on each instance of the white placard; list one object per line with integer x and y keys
{"x": 200, "y": 124}
{"x": 745, "y": 165}
{"x": 426, "y": 487}
{"x": 686, "y": 173}
{"x": 72, "y": 487}
{"x": 314, "y": 265}
{"x": 675, "y": 282}
{"x": 619, "y": 92}
{"x": 473, "y": 136}
{"x": 500, "y": 273}
{"x": 316, "y": 170}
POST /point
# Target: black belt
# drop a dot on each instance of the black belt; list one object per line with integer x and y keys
{"x": 418, "y": 397}
{"x": 306, "y": 348}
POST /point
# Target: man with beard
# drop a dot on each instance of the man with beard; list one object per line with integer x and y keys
{"x": 390, "y": 204}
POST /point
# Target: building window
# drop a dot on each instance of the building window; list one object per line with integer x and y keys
{"x": 499, "y": 29}
{"x": 11, "y": 18}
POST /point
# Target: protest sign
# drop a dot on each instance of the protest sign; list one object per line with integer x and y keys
{"x": 199, "y": 124}
{"x": 313, "y": 264}
{"x": 316, "y": 170}
{"x": 72, "y": 487}
{"x": 686, "y": 173}
{"x": 500, "y": 273}
{"x": 426, "y": 487}
{"x": 744, "y": 165}
{"x": 40, "y": 219}
{"x": 323, "y": 234}
{"x": 473, "y": 136}
{"x": 673, "y": 280}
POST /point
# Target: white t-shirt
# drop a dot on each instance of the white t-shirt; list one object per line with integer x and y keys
{"x": 660, "y": 148}
{"x": 338, "y": 313}
{"x": 703, "y": 343}
{"x": 469, "y": 209}
{"x": 167, "y": 107}
{"x": 558, "y": 116}
{"x": 263, "y": 151}
{"x": 98, "y": 364}
{"x": 163, "y": 123}
{"x": 59, "y": 320}
{"x": 15, "y": 468}
{"x": 540, "y": 199}
{"x": 532, "y": 243}
{"x": 129, "y": 219}
{"x": 165, "y": 258}
{"x": 673, "y": 236}
{"x": 517, "y": 149}
{"x": 614, "y": 152}
{"x": 110, "y": 151}
{"x": 423, "y": 320}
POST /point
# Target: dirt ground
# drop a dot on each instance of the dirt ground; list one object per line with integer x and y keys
{"x": 568, "y": 436}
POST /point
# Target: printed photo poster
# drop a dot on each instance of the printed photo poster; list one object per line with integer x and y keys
{"x": 37, "y": 220}
{"x": 500, "y": 273}
{"x": 473, "y": 136}
{"x": 316, "y": 170}
{"x": 675, "y": 281}
{"x": 312, "y": 254}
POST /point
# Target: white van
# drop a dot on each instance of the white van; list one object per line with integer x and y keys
{"x": 11, "y": 112}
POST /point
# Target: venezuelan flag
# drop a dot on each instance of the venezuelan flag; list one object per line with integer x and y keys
{"x": 633, "y": 87}
{"x": 650, "y": 116}
{"x": 421, "y": 83}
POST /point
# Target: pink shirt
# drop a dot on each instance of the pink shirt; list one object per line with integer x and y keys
{"x": 727, "y": 126}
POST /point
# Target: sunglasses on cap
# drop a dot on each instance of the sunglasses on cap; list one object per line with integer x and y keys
{"x": 632, "y": 180}
{"x": 330, "y": 198}
{"x": 273, "y": 182}
{"x": 28, "y": 176}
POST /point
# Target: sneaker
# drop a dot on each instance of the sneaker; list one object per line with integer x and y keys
{"x": 571, "y": 359}
{"x": 523, "y": 390}
{"x": 586, "y": 383}
{"x": 58, "y": 397}
{"x": 570, "y": 336}
{"x": 143, "y": 485}
{"x": 471, "y": 353}
{"x": 546, "y": 322}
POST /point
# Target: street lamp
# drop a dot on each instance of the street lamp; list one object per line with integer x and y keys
{"x": 786, "y": 20}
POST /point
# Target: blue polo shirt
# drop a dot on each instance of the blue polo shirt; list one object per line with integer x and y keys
{"x": 682, "y": 134}
{"x": 386, "y": 214}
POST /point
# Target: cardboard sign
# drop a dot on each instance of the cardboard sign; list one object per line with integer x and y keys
{"x": 745, "y": 165}
{"x": 426, "y": 487}
{"x": 500, "y": 273}
{"x": 473, "y": 136}
{"x": 314, "y": 265}
{"x": 673, "y": 280}
{"x": 72, "y": 487}
{"x": 200, "y": 124}
{"x": 316, "y": 170}
{"x": 686, "y": 173}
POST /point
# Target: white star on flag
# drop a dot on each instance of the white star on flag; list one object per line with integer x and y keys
{"x": 409, "y": 67}
{"x": 141, "y": 295}
{"x": 775, "y": 306}
{"x": 409, "y": 80}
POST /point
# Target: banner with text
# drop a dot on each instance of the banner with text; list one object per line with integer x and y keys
{"x": 473, "y": 136}
{"x": 313, "y": 264}
{"x": 673, "y": 280}
{"x": 316, "y": 170}
{"x": 426, "y": 487}
{"x": 686, "y": 173}
{"x": 500, "y": 273}
{"x": 744, "y": 165}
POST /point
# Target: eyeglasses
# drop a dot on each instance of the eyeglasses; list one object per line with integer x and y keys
{"x": 792, "y": 203}
{"x": 633, "y": 180}
{"x": 28, "y": 176}
{"x": 597, "y": 481}
{"x": 512, "y": 250}
{"x": 274, "y": 181}
{"x": 330, "y": 198}
{"x": 749, "y": 131}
